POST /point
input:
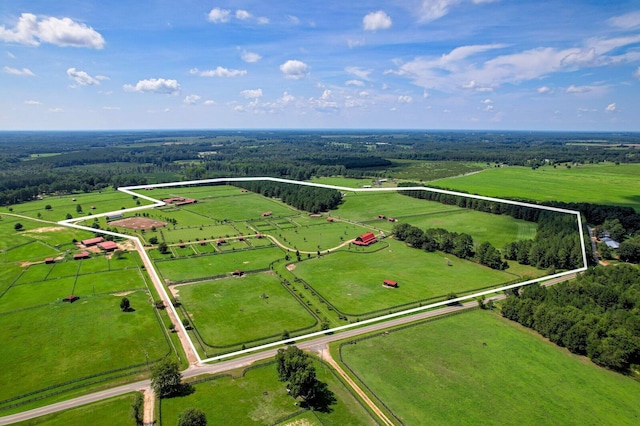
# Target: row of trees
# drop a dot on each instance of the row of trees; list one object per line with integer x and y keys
{"x": 459, "y": 245}
{"x": 597, "y": 315}
{"x": 307, "y": 198}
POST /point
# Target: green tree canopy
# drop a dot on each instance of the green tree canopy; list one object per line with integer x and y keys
{"x": 192, "y": 417}
{"x": 166, "y": 378}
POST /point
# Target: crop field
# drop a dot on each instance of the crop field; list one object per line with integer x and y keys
{"x": 352, "y": 282}
{"x": 259, "y": 398}
{"x": 231, "y": 311}
{"x": 593, "y": 183}
{"x": 469, "y": 354}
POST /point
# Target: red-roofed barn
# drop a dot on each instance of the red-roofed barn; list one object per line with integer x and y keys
{"x": 365, "y": 239}
{"x": 108, "y": 246}
{"x": 92, "y": 241}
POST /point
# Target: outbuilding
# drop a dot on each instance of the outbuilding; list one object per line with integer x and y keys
{"x": 365, "y": 239}
{"x": 92, "y": 241}
{"x": 108, "y": 246}
{"x": 81, "y": 255}
{"x": 390, "y": 283}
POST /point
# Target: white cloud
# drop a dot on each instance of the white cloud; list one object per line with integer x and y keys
{"x": 252, "y": 93}
{"x": 636, "y": 74}
{"x": 355, "y": 42}
{"x": 32, "y": 102}
{"x": 15, "y": 71}
{"x": 294, "y": 19}
{"x": 360, "y": 73}
{"x": 154, "y": 85}
{"x": 56, "y": 110}
{"x": 219, "y": 16}
{"x": 286, "y": 98}
{"x": 82, "y": 78}
{"x": 218, "y": 72}
{"x": 110, "y": 108}
{"x": 486, "y": 101}
{"x": 11, "y": 55}
{"x": 376, "y": 21}
{"x": 250, "y": 57}
{"x": 32, "y": 31}
{"x": 262, "y": 20}
{"x": 627, "y": 21}
{"x": 611, "y": 107}
{"x": 209, "y": 102}
{"x": 543, "y": 89}
{"x": 192, "y": 99}
{"x": 355, "y": 83}
{"x": 294, "y": 69}
{"x": 430, "y": 10}
{"x": 578, "y": 89}
{"x": 242, "y": 14}
{"x": 404, "y": 99}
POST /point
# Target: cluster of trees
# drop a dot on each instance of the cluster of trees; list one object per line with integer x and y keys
{"x": 629, "y": 250}
{"x": 597, "y": 315}
{"x": 296, "y": 368}
{"x": 460, "y": 245}
{"x": 556, "y": 245}
{"x": 307, "y": 198}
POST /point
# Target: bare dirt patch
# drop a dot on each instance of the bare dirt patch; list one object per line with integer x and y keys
{"x": 137, "y": 223}
{"x": 46, "y": 229}
{"x": 124, "y": 293}
{"x": 291, "y": 267}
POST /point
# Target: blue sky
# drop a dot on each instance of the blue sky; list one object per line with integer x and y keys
{"x": 428, "y": 64}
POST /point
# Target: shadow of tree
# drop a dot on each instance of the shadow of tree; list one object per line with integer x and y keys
{"x": 322, "y": 400}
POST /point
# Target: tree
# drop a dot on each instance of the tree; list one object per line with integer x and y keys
{"x": 68, "y": 216}
{"x": 163, "y": 248}
{"x": 18, "y": 226}
{"x": 47, "y": 207}
{"x": 294, "y": 367}
{"x": 78, "y": 208}
{"x": 125, "y": 305}
{"x": 166, "y": 378}
{"x": 192, "y": 417}
{"x": 153, "y": 240}
{"x": 137, "y": 409}
{"x": 186, "y": 324}
{"x": 629, "y": 250}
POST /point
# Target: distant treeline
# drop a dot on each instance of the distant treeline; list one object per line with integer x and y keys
{"x": 597, "y": 315}
{"x": 308, "y": 198}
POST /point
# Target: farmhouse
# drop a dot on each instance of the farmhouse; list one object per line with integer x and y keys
{"x": 81, "y": 255}
{"x": 365, "y": 239}
{"x": 389, "y": 283}
{"x": 107, "y": 246}
{"x": 92, "y": 241}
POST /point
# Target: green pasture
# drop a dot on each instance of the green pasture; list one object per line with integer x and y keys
{"x": 72, "y": 341}
{"x": 34, "y": 273}
{"x": 496, "y": 229}
{"x": 94, "y": 264}
{"x": 593, "y": 183}
{"x": 57, "y": 236}
{"x": 322, "y": 236}
{"x": 191, "y": 268}
{"x": 198, "y": 192}
{"x": 108, "y": 282}
{"x": 204, "y": 232}
{"x": 342, "y": 181}
{"x": 67, "y": 268}
{"x": 259, "y": 242}
{"x": 367, "y": 206}
{"x": 231, "y": 311}
{"x": 104, "y": 201}
{"x": 259, "y": 398}
{"x": 24, "y": 296}
{"x": 244, "y": 206}
{"x": 8, "y": 274}
{"x": 32, "y": 251}
{"x": 479, "y": 368}
{"x": 109, "y": 412}
{"x": 352, "y": 281}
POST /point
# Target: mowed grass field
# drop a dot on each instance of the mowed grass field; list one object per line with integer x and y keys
{"x": 352, "y": 282}
{"x": 234, "y": 310}
{"x": 479, "y": 368}
{"x": 593, "y": 183}
{"x": 191, "y": 268}
{"x": 259, "y": 398}
{"x": 110, "y": 412}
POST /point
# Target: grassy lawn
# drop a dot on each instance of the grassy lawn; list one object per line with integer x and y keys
{"x": 35, "y": 294}
{"x": 231, "y": 311}
{"x": 217, "y": 264}
{"x": 593, "y": 183}
{"x": 110, "y": 412}
{"x": 324, "y": 234}
{"x": 478, "y": 368}
{"x": 259, "y": 398}
{"x": 352, "y": 282}
{"x": 244, "y": 206}
{"x": 416, "y": 170}
{"x": 31, "y": 252}
{"x": 108, "y": 282}
{"x": 72, "y": 341}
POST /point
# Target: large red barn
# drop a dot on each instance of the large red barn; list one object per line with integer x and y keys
{"x": 365, "y": 239}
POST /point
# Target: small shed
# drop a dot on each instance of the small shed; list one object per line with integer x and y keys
{"x": 390, "y": 283}
{"x": 241, "y": 238}
{"x": 329, "y": 219}
{"x": 203, "y": 242}
{"x": 221, "y": 241}
{"x": 237, "y": 273}
{"x": 81, "y": 255}
{"x": 381, "y": 216}
{"x": 71, "y": 298}
{"x": 182, "y": 245}
{"x": 265, "y": 214}
{"x": 49, "y": 260}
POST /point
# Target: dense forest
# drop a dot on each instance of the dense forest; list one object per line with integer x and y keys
{"x": 308, "y": 198}
{"x": 36, "y": 163}
{"x": 597, "y": 315}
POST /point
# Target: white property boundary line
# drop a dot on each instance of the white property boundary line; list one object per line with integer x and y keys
{"x": 158, "y": 203}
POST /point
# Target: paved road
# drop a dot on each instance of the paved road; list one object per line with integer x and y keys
{"x": 315, "y": 345}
